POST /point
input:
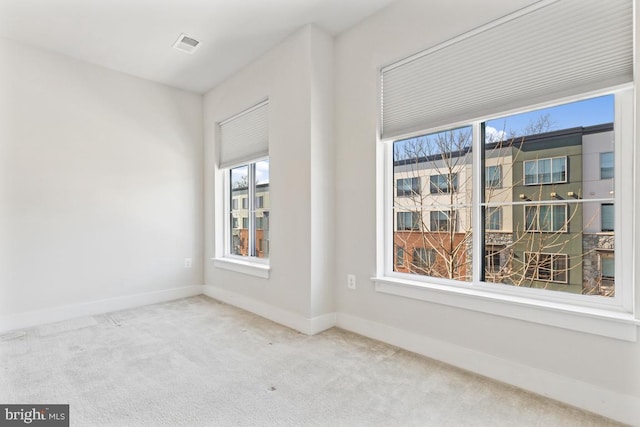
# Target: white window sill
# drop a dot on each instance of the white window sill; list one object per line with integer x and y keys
{"x": 622, "y": 326}
{"x": 244, "y": 267}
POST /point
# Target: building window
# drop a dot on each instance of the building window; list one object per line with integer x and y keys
{"x": 423, "y": 258}
{"x": 442, "y": 221}
{"x": 250, "y": 183}
{"x": 408, "y": 221}
{"x": 547, "y": 218}
{"x": 607, "y": 219}
{"x": 606, "y": 165}
{"x": 493, "y": 218}
{"x": 408, "y": 187}
{"x": 546, "y": 267}
{"x": 493, "y": 176}
{"x": 446, "y": 183}
{"x": 399, "y": 256}
{"x": 493, "y": 259}
{"x": 545, "y": 171}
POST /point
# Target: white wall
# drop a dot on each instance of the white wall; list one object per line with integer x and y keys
{"x": 100, "y": 183}
{"x": 296, "y": 78}
{"x": 576, "y": 367}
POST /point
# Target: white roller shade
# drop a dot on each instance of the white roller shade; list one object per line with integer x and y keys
{"x": 245, "y": 136}
{"x": 541, "y": 53}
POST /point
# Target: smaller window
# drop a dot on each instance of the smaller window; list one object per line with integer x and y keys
{"x": 399, "y": 256}
{"x": 607, "y": 219}
{"x": 408, "y": 187}
{"x": 260, "y": 245}
{"x": 259, "y": 223}
{"x": 259, "y": 202}
{"x": 234, "y": 204}
{"x": 408, "y": 221}
{"x": 545, "y": 171}
{"x": 493, "y": 219}
{"x": 493, "y": 176}
{"x": 546, "y": 218}
{"x": 547, "y": 267}
{"x": 443, "y": 184}
{"x": 234, "y": 223}
{"x": 245, "y": 222}
{"x": 423, "y": 258}
{"x": 245, "y": 203}
{"x": 606, "y": 165}
{"x": 607, "y": 265}
{"x": 442, "y": 221}
{"x": 493, "y": 259}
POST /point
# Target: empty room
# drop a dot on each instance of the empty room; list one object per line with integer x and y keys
{"x": 319, "y": 212}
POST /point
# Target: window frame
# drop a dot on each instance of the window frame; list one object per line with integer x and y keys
{"x": 224, "y": 258}
{"x": 552, "y": 257}
{"x": 452, "y": 187}
{"x": 611, "y": 316}
{"x": 537, "y": 174}
{"x": 552, "y": 206}
{"x": 488, "y": 177}
{"x": 600, "y": 165}
{"x": 415, "y": 190}
{"x": 490, "y": 213}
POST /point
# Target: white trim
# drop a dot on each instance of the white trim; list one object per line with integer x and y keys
{"x": 244, "y": 267}
{"x": 308, "y": 326}
{"x": 58, "y": 314}
{"x": 618, "y": 325}
{"x": 617, "y": 406}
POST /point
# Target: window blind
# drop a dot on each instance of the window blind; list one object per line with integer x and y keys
{"x": 245, "y": 136}
{"x": 547, "y": 51}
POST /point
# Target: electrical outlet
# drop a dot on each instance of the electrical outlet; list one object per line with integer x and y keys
{"x": 351, "y": 281}
{"x": 187, "y": 263}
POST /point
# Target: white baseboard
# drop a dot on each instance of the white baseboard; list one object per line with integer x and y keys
{"x": 58, "y": 314}
{"x": 620, "y": 407}
{"x": 295, "y": 321}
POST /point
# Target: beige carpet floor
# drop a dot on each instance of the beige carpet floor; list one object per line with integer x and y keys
{"x": 198, "y": 362}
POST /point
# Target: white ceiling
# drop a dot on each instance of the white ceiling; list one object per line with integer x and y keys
{"x": 136, "y": 36}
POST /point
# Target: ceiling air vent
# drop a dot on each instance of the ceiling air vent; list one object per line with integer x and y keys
{"x": 186, "y": 44}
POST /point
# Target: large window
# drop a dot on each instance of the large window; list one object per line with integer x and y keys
{"x": 249, "y": 219}
{"x": 544, "y": 203}
{"x": 544, "y": 115}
